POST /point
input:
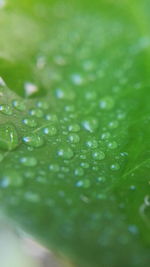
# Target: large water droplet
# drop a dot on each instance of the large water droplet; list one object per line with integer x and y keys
{"x": 8, "y": 137}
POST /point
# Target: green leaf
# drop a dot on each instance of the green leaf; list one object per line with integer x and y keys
{"x": 74, "y": 128}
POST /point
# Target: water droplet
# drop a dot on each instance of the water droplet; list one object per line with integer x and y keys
{"x": 65, "y": 153}
{"x": 79, "y": 171}
{"x": 5, "y": 109}
{"x": 106, "y": 103}
{"x": 90, "y": 124}
{"x": 8, "y": 137}
{"x": 112, "y": 145}
{"x": 92, "y": 143}
{"x": 28, "y": 161}
{"x": 33, "y": 140}
{"x": 11, "y": 177}
{"x": 50, "y": 130}
{"x": 31, "y": 122}
{"x": 42, "y": 105}
{"x": 51, "y": 117}
{"x": 98, "y": 155}
{"x": 100, "y": 179}
{"x": 83, "y": 183}
{"x": 115, "y": 167}
{"x": 113, "y": 124}
{"x": 105, "y": 136}
{"x": 85, "y": 165}
{"x": 54, "y": 167}
{"x": 38, "y": 113}
{"x": 32, "y": 197}
{"x": 19, "y": 105}
{"x": 74, "y": 138}
{"x": 74, "y": 128}
{"x": 77, "y": 79}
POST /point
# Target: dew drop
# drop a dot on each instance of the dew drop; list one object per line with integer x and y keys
{"x": 105, "y": 136}
{"x": 92, "y": 143}
{"x": 83, "y": 183}
{"x": 85, "y": 165}
{"x": 112, "y": 145}
{"x": 65, "y": 153}
{"x": 74, "y": 138}
{"x": 32, "y": 197}
{"x": 90, "y": 125}
{"x": 38, "y": 113}
{"x": 33, "y": 140}
{"x": 79, "y": 171}
{"x": 19, "y": 105}
{"x": 28, "y": 161}
{"x": 106, "y": 103}
{"x": 113, "y": 124}
{"x": 5, "y": 109}
{"x": 50, "y": 130}
{"x": 74, "y": 128}
{"x": 77, "y": 79}
{"x": 115, "y": 167}
{"x": 98, "y": 155}
{"x": 8, "y": 137}
{"x": 30, "y": 122}
{"x": 42, "y": 105}
{"x": 54, "y": 167}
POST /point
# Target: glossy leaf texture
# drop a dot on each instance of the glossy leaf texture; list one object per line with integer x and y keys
{"x": 75, "y": 127}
